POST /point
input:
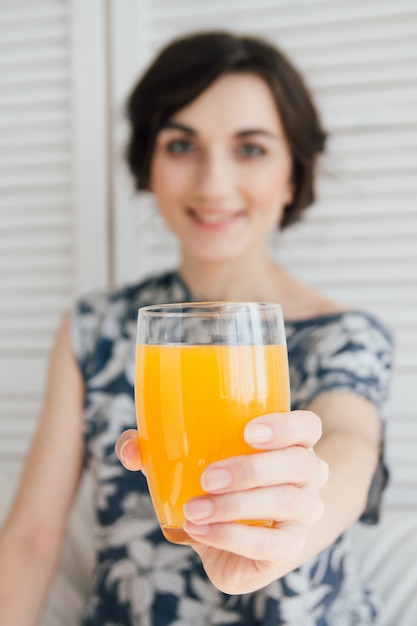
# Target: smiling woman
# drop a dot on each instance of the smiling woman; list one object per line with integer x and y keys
{"x": 225, "y": 135}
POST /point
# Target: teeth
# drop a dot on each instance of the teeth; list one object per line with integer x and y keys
{"x": 213, "y": 219}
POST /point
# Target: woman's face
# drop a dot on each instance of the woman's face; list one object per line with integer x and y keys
{"x": 221, "y": 170}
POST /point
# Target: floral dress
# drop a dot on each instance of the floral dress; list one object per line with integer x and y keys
{"x": 139, "y": 578}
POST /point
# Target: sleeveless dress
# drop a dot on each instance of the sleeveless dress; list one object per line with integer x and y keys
{"x": 139, "y": 578}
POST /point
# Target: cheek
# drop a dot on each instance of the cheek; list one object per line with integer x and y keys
{"x": 270, "y": 187}
{"x": 168, "y": 181}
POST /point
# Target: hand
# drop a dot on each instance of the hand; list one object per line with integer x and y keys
{"x": 280, "y": 483}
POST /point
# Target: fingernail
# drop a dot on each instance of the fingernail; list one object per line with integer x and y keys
{"x": 216, "y": 479}
{"x": 121, "y": 453}
{"x": 258, "y": 433}
{"x": 198, "y": 509}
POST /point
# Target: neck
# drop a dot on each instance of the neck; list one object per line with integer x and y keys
{"x": 250, "y": 279}
{"x": 255, "y": 279}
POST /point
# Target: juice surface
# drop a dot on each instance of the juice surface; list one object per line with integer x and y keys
{"x": 192, "y": 405}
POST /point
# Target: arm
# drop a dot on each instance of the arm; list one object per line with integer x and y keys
{"x": 30, "y": 540}
{"x": 350, "y": 446}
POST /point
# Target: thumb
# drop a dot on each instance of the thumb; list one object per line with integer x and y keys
{"x": 127, "y": 449}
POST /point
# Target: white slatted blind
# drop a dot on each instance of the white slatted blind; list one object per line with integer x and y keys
{"x": 36, "y": 230}
{"x": 43, "y": 222}
{"x": 51, "y": 170}
{"x": 359, "y": 243}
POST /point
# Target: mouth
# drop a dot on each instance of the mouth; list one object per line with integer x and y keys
{"x": 214, "y": 217}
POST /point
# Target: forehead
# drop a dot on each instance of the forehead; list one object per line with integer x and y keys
{"x": 233, "y": 102}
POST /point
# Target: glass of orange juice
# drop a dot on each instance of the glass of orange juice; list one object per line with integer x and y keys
{"x": 203, "y": 370}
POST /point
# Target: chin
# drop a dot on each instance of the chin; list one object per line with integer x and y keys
{"x": 215, "y": 256}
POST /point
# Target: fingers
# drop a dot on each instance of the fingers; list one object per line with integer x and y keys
{"x": 127, "y": 449}
{"x": 284, "y": 504}
{"x": 257, "y": 543}
{"x": 295, "y": 465}
{"x": 280, "y": 484}
{"x": 211, "y": 519}
{"x": 281, "y": 430}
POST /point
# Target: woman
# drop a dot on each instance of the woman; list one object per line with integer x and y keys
{"x": 224, "y": 133}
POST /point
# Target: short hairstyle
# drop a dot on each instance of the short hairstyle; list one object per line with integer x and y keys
{"x": 188, "y": 66}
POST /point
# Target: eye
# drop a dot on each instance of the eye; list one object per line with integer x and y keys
{"x": 180, "y": 146}
{"x": 250, "y": 150}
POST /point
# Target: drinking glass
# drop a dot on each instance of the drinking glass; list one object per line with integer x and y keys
{"x": 203, "y": 370}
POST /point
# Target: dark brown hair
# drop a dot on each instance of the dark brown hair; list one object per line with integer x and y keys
{"x": 188, "y": 66}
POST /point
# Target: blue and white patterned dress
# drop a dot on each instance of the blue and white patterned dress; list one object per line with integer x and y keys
{"x": 139, "y": 578}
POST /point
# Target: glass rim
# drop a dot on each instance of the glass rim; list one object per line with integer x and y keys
{"x": 179, "y": 309}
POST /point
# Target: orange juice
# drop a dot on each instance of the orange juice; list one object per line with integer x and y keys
{"x": 192, "y": 404}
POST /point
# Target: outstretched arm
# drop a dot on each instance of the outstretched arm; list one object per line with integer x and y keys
{"x": 283, "y": 483}
{"x": 31, "y": 537}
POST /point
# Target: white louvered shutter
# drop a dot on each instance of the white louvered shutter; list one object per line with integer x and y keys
{"x": 359, "y": 243}
{"x": 41, "y": 248}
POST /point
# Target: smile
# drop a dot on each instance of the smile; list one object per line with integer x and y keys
{"x": 213, "y": 218}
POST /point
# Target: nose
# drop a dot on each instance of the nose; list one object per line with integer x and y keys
{"x": 214, "y": 177}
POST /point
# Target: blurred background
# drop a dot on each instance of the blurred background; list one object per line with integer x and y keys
{"x": 70, "y": 220}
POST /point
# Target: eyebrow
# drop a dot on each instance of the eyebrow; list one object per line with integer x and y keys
{"x": 177, "y": 126}
{"x": 256, "y": 131}
{"x": 171, "y": 125}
